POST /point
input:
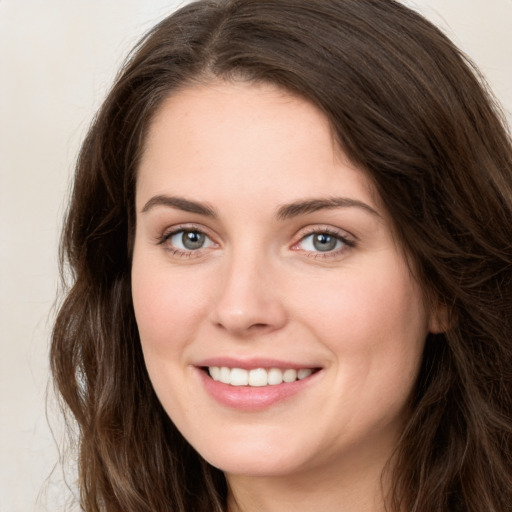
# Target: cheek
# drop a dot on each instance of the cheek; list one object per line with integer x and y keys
{"x": 375, "y": 324}
{"x": 168, "y": 306}
{"x": 381, "y": 331}
{"x": 168, "y": 310}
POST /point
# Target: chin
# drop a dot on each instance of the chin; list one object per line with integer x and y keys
{"x": 255, "y": 466}
{"x": 260, "y": 458}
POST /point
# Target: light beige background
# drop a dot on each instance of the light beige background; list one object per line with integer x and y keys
{"x": 57, "y": 59}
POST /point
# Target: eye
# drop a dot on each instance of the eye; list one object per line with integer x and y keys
{"x": 324, "y": 242}
{"x": 188, "y": 240}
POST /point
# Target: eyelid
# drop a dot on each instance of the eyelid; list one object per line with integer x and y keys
{"x": 171, "y": 231}
{"x": 325, "y": 228}
{"x": 349, "y": 241}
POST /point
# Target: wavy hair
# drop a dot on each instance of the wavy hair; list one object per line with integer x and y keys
{"x": 406, "y": 107}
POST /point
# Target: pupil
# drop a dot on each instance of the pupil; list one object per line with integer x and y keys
{"x": 193, "y": 239}
{"x": 323, "y": 242}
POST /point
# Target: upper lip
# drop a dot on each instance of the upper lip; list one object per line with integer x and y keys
{"x": 254, "y": 362}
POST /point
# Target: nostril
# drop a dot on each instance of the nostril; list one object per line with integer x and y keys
{"x": 258, "y": 326}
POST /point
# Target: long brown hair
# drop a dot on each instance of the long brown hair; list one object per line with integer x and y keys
{"x": 409, "y": 109}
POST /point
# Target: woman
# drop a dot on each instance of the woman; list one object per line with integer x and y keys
{"x": 291, "y": 251}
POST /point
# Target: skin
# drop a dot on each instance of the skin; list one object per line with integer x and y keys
{"x": 259, "y": 287}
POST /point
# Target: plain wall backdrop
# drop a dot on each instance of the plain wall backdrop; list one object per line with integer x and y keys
{"x": 57, "y": 60}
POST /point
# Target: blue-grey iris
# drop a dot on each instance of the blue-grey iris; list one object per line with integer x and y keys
{"x": 324, "y": 242}
{"x": 192, "y": 240}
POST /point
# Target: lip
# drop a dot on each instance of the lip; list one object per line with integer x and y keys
{"x": 249, "y": 364}
{"x": 247, "y": 398}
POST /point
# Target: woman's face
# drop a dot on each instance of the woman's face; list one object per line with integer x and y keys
{"x": 264, "y": 258}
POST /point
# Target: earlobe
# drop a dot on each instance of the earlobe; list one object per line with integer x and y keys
{"x": 439, "y": 321}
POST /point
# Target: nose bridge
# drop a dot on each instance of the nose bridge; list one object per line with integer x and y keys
{"x": 247, "y": 300}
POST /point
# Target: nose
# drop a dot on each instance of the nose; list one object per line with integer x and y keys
{"x": 248, "y": 301}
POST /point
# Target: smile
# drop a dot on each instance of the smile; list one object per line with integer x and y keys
{"x": 257, "y": 377}
{"x": 255, "y": 385}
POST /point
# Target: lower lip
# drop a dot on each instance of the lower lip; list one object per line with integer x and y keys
{"x": 248, "y": 398}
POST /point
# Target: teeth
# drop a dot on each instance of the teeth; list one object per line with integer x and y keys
{"x": 239, "y": 377}
{"x": 225, "y": 375}
{"x": 214, "y": 372}
{"x": 257, "y": 377}
{"x": 275, "y": 376}
{"x": 290, "y": 375}
{"x": 303, "y": 373}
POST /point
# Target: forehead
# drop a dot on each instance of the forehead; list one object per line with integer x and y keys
{"x": 255, "y": 136}
{"x": 239, "y": 107}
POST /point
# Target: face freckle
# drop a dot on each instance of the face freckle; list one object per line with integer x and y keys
{"x": 264, "y": 257}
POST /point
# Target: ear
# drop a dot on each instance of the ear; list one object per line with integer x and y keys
{"x": 439, "y": 321}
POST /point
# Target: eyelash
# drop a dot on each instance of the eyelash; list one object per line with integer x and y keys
{"x": 174, "y": 251}
{"x": 347, "y": 242}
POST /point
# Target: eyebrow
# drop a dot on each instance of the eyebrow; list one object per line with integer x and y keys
{"x": 304, "y": 207}
{"x": 180, "y": 203}
{"x": 286, "y": 211}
